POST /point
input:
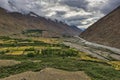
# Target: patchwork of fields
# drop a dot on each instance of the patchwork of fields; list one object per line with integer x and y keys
{"x": 37, "y": 54}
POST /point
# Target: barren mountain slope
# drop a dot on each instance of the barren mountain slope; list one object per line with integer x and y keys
{"x": 106, "y": 31}
{"x": 16, "y": 23}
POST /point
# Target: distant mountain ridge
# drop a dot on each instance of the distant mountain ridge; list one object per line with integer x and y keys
{"x": 17, "y": 24}
{"x": 105, "y": 31}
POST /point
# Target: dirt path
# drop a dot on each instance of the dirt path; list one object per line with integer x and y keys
{"x": 49, "y": 74}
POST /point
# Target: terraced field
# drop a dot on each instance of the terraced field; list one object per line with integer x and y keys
{"x": 35, "y": 55}
{"x": 13, "y": 46}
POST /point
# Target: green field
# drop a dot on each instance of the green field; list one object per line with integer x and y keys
{"x": 36, "y": 55}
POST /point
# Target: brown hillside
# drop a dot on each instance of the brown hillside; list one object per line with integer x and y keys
{"x": 16, "y": 24}
{"x": 105, "y": 31}
{"x": 49, "y": 74}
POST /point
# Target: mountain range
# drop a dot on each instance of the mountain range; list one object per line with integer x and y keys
{"x": 17, "y": 24}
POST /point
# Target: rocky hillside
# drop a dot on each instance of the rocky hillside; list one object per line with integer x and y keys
{"x": 17, "y": 24}
{"x": 105, "y": 31}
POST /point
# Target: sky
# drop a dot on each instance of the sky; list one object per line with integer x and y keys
{"x": 81, "y": 13}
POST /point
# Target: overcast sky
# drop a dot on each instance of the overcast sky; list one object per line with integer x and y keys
{"x": 81, "y": 13}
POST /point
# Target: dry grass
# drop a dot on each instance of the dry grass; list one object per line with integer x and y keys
{"x": 1, "y": 41}
{"x": 115, "y": 64}
{"x": 85, "y": 56}
{"x": 49, "y": 74}
{"x": 15, "y": 53}
{"x": 4, "y": 63}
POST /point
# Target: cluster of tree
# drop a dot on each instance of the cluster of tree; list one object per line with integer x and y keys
{"x": 52, "y": 52}
{"x": 33, "y": 33}
{"x": 31, "y": 52}
{"x": 59, "y": 52}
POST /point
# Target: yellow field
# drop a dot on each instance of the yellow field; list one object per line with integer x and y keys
{"x": 19, "y": 50}
{"x": 15, "y": 53}
{"x": 84, "y": 56}
{"x": 115, "y": 64}
{"x": 7, "y": 41}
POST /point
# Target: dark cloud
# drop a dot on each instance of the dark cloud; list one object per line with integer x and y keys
{"x": 60, "y": 12}
{"x": 81, "y": 13}
{"x": 111, "y": 5}
{"x": 76, "y": 3}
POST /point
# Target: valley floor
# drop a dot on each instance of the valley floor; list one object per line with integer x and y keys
{"x": 95, "y": 50}
{"x": 56, "y": 59}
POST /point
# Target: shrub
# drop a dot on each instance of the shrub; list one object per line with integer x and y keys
{"x": 30, "y": 49}
{"x": 3, "y": 52}
{"x": 69, "y": 53}
{"x": 30, "y": 55}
